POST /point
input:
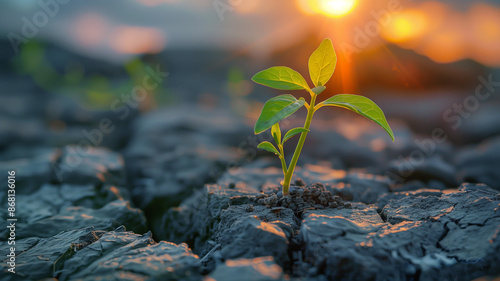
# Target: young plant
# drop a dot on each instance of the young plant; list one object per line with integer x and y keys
{"x": 322, "y": 64}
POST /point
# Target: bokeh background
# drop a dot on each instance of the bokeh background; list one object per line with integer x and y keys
{"x": 416, "y": 59}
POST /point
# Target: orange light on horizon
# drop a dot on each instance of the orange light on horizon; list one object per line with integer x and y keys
{"x": 445, "y": 35}
{"x": 405, "y": 26}
{"x": 484, "y": 34}
{"x": 445, "y": 48}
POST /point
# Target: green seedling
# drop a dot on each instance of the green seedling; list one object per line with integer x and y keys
{"x": 322, "y": 64}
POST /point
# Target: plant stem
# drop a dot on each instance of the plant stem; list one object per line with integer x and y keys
{"x": 282, "y": 158}
{"x": 300, "y": 144}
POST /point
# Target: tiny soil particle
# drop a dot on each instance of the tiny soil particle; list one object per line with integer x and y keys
{"x": 249, "y": 208}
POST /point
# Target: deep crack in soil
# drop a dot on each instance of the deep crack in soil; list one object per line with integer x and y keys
{"x": 301, "y": 197}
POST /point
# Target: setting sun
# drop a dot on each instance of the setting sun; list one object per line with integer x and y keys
{"x": 336, "y": 8}
{"x": 331, "y": 8}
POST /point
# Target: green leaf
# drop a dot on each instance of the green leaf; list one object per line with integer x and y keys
{"x": 293, "y": 132}
{"x": 268, "y": 146}
{"x": 276, "y": 132}
{"x": 275, "y": 110}
{"x": 322, "y": 63}
{"x": 318, "y": 90}
{"x": 281, "y": 78}
{"x": 361, "y": 105}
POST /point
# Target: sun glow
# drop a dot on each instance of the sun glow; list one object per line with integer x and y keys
{"x": 336, "y": 8}
{"x": 331, "y": 8}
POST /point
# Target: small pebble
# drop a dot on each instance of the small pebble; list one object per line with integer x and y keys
{"x": 300, "y": 182}
{"x": 260, "y": 196}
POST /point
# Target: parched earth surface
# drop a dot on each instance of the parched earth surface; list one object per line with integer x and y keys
{"x": 189, "y": 199}
{"x": 182, "y": 193}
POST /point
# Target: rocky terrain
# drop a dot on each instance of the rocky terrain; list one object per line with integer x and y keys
{"x": 181, "y": 193}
